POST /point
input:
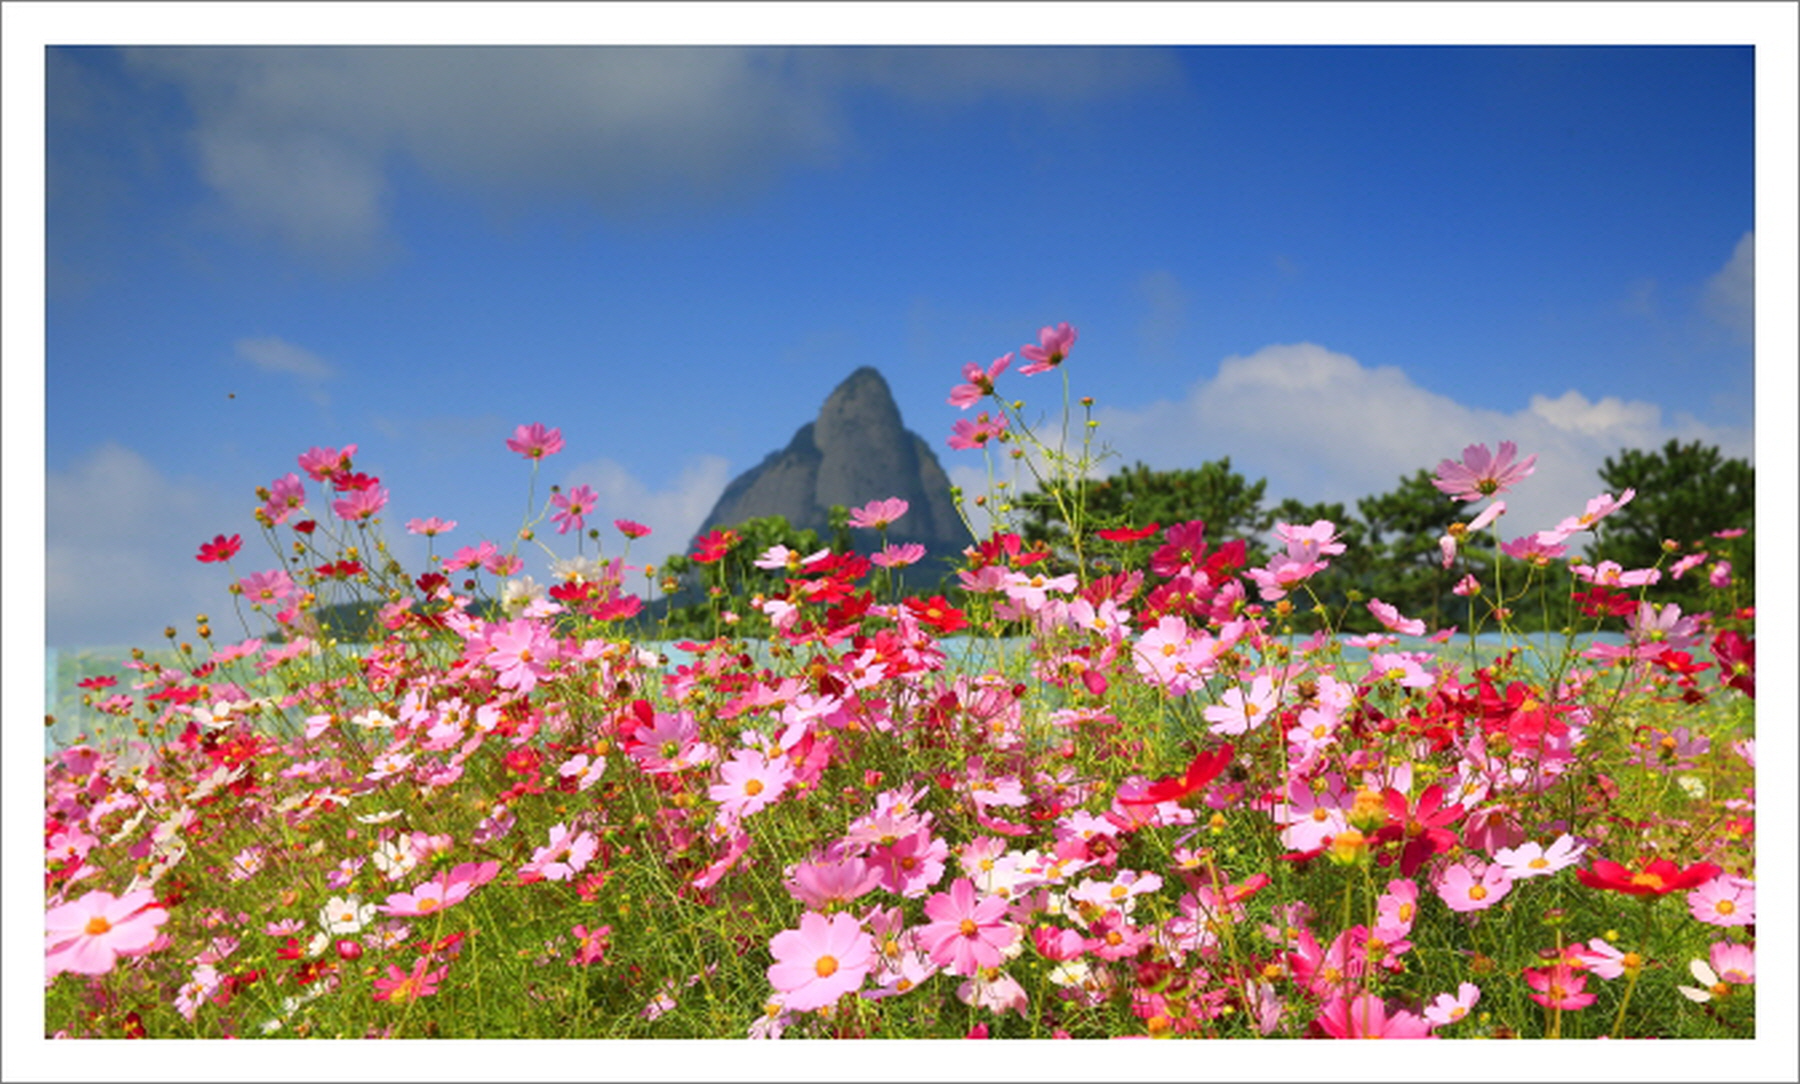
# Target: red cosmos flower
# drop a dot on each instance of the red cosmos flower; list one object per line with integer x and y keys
{"x": 219, "y": 549}
{"x": 938, "y": 614}
{"x": 1737, "y": 661}
{"x": 1658, "y": 877}
{"x": 340, "y": 570}
{"x": 102, "y": 681}
{"x": 1204, "y": 768}
{"x": 1128, "y": 534}
{"x": 1598, "y": 602}
{"x": 1422, "y": 827}
{"x": 713, "y": 546}
{"x": 307, "y": 526}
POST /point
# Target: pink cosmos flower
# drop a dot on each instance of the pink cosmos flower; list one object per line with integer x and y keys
{"x": 88, "y": 935}
{"x": 910, "y": 864}
{"x": 1732, "y": 964}
{"x": 748, "y": 783}
{"x": 898, "y": 555}
{"x": 1483, "y": 474}
{"x": 1559, "y": 987}
{"x": 321, "y": 463}
{"x": 830, "y": 878}
{"x": 1469, "y": 886}
{"x": 1241, "y": 710}
{"x": 590, "y": 945}
{"x": 877, "y": 515}
{"x": 1449, "y": 1008}
{"x": 980, "y": 382}
{"x": 1598, "y": 508}
{"x": 1053, "y": 346}
{"x": 286, "y": 496}
{"x": 566, "y": 855}
{"x": 430, "y": 528}
{"x": 360, "y": 504}
{"x": 535, "y": 442}
{"x": 1367, "y": 1017}
{"x": 1535, "y": 549}
{"x": 265, "y": 587}
{"x": 1726, "y": 900}
{"x": 1612, "y": 574}
{"x": 1606, "y": 960}
{"x": 517, "y": 652}
{"x": 966, "y": 933}
{"x": 401, "y": 986}
{"x": 631, "y": 528}
{"x": 1390, "y": 618}
{"x": 572, "y": 508}
{"x": 1533, "y": 860}
{"x": 966, "y": 434}
{"x": 821, "y": 961}
{"x": 219, "y": 549}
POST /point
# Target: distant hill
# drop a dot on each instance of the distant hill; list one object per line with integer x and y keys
{"x": 856, "y": 451}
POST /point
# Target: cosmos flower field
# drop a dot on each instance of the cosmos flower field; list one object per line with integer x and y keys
{"x": 1166, "y": 798}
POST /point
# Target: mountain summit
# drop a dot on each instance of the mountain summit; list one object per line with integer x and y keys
{"x": 856, "y": 451}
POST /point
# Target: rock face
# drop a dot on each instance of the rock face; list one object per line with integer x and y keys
{"x": 856, "y": 451}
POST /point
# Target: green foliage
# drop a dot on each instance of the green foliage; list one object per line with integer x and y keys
{"x": 1229, "y": 503}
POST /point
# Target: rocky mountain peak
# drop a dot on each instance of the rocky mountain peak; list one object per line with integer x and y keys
{"x": 857, "y": 450}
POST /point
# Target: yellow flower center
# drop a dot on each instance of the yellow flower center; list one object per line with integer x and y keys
{"x": 97, "y": 926}
{"x": 826, "y": 967}
{"x": 1648, "y": 880}
{"x": 967, "y": 927}
{"x": 1478, "y": 892}
{"x": 1725, "y": 907}
{"x": 1405, "y": 912}
{"x": 1119, "y": 892}
{"x": 753, "y": 787}
{"x": 1539, "y": 862}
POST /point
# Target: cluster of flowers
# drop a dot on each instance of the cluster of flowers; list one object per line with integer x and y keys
{"x": 918, "y": 832}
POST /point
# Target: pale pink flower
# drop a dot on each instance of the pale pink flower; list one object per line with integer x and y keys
{"x": 821, "y": 961}
{"x": 748, "y": 783}
{"x": 267, "y": 587}
{"x": 321, "y": 463}
{"x": 1469, "y": 886}
{"x": 832, "y": 877}
{"x": 1241, "y": 710}
{"x": 1533, "y": 860}
{"x": 566, "y": 854}
{"x": 1598, "y": 508}
{"x": 430, "y": 528}
{"x": 1612, "y": 574}
{"x": 1483, "y": 474}
{"x": 88, "y": 935}
{"x": 535, "y": 442}
{"x": 1731, "y": 964}
{"x": 878, "y": 515}
{"x": 286, "y": 496}
{"x": 1449, "y": 1008}
{"x": 1467, "y": 586}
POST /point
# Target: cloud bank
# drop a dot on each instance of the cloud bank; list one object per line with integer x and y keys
{"x": 301, "y": 143}
{"x": 1321, "y": 426}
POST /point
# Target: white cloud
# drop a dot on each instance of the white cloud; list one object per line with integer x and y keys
{"x": 273, "y": 355}
{"x": 673, "y": 514}
{"x": 1731, "y": 293}
{"x": 1321, "y": 426}
{"x": 299, "y": 141}
{"x": 120, "y": 542}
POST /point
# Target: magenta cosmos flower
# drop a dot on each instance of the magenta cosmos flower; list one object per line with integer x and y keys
{"x": 1483, "y": 474}
{"x": 821, "y": 961}
{"x": 1054, "y": 344}
{"x": 88, "y": 935}
{"x": 1367, "y": 1017}
{"x": 1559, "y": 987}
{"x": 966, "y": 933}
{"x": 535, "y": 442}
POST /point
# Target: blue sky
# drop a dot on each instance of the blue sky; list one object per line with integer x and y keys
{"x": 1334, "y": 265}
